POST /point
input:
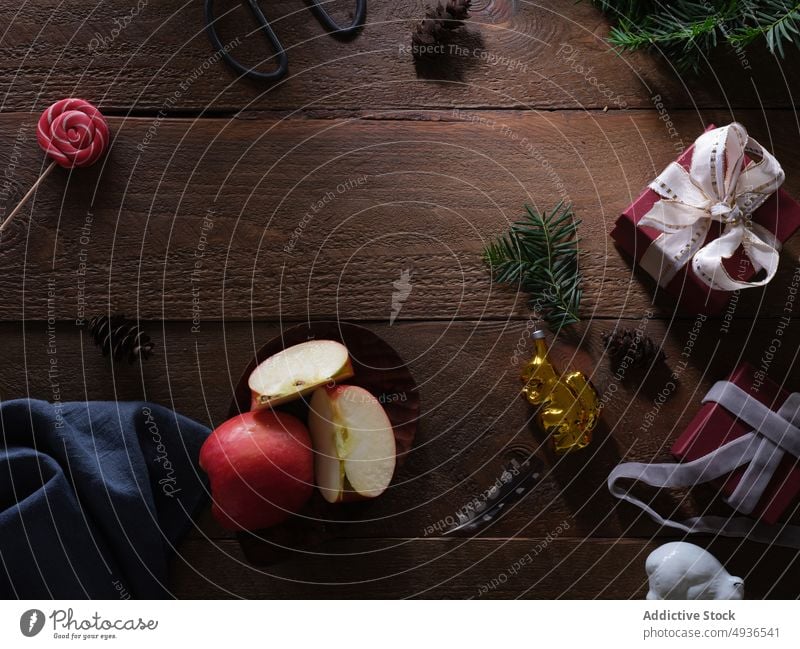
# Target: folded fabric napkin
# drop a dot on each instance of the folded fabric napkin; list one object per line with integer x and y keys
{"x": 93, "y": 497}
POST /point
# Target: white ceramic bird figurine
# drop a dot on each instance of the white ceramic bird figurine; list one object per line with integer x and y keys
{"x": 682, "y": 570}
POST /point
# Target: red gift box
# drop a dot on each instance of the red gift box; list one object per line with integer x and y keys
{"x": 780, "y": 214}
{"x": 715, "y": 426}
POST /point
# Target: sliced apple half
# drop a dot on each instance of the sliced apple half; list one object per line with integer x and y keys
{"x": 298, "y": 370}
{"x": 354, "y": 449}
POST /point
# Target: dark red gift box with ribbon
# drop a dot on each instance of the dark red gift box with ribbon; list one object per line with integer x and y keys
{"x": 780, "y": 214}
{"x": 715, "y": 426}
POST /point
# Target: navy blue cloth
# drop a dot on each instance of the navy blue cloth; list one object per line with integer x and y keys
{"x": 94, "y": 496}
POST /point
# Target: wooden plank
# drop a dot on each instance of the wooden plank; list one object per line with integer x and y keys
{"x": 535, "y": 568}
{"x": 198, "y": 220}
{"x": 514, "y": 54}
{"x": 401, "y": 568}
{"x": 473, "y": 419}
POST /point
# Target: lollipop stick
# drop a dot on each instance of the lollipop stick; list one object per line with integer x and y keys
{"x": 27, "y": 196}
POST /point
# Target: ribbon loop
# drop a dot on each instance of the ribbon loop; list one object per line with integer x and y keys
{"x": 717, "y": 187}
{"x": 761, "y": 451}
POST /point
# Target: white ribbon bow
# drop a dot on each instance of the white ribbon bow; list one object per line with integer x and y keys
{"x": 717, "y": 187}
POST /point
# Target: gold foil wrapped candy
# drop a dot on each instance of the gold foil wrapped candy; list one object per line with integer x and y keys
{"x": 568, "y": 406}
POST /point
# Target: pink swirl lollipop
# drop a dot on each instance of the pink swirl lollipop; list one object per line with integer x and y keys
{"x": 74, "y": 134}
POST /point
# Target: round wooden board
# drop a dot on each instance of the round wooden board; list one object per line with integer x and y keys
{"x": 378, "y": 369}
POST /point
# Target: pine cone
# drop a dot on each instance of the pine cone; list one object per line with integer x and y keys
{"x": 633, "y": 347}
{"x": 119, "y": 337}
{"x": 437, "y": 22}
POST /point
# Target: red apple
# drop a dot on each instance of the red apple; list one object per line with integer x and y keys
{"x": 261, "y": 468}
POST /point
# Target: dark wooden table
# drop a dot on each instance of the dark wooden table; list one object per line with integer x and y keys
{"x": 227, "y": 210}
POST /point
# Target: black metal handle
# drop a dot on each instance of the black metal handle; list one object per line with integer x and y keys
{"x": 252, "y": 73}
{"x": 335, "y": 28}
{"x": 320, "y": 12}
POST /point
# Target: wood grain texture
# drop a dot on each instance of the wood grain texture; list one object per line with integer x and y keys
{"x": 535, "y": 568}
{"x": 288, "y": 219}
{"x": 395, "y": 568}
{"x": 542, "y": 55}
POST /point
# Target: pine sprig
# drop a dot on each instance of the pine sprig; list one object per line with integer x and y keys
{"x": 777, "y": 21}
{"x": 687, "y": 31}
{"x": 539, "y": 254}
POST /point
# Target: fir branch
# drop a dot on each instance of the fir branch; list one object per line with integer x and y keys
{"x": 778, "y": 22}
{"x": 688, "y": 31}
{"x": 539, "y": 254}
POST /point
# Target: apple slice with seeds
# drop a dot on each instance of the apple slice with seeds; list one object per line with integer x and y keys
{"x": 354, "y": 445}
{"x": 297, "y": 371}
